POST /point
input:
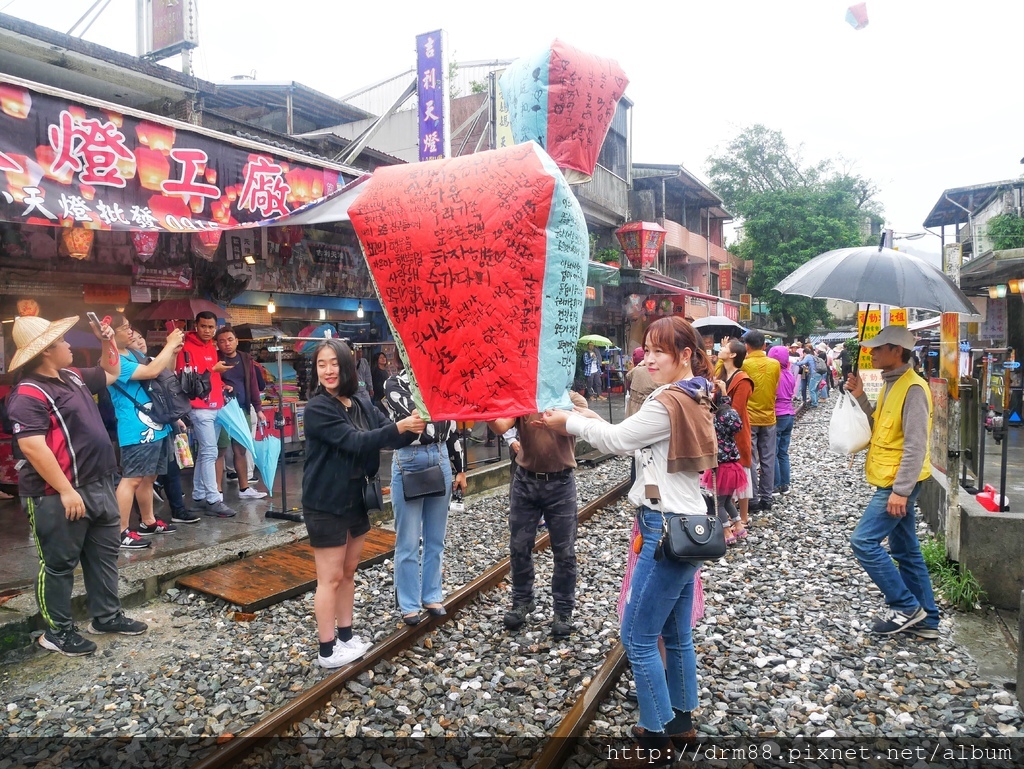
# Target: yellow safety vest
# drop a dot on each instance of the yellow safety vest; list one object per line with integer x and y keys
{"x": 886, "y": 449}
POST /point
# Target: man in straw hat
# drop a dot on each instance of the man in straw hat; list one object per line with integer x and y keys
{"x": 896, "y": 464}
{"x": 67, "y": 483}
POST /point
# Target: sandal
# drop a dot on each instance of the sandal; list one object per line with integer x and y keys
{"x": 730, "y": 539}
{"x": 741, "y": 534}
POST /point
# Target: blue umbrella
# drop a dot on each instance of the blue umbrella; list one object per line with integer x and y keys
{"x": 266, "y": 454}
{"x": 320, "y": 332}
{"x": 231, "y": 418}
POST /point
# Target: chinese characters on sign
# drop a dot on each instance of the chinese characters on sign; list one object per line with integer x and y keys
{"x": 480, "y": 263}
{"x": 745, "y": 315}
{"x": 63, "y": 163}
{"x": 432, "y": 93}
{"x": 724, "y": 279}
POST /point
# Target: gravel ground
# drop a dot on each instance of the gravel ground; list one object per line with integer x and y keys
{"x": 783, "y": 652}
{"x": 198, "y": 674}
{"x": 784, "y": 649}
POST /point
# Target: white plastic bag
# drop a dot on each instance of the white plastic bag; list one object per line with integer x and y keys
{"x": 849, "y": 430}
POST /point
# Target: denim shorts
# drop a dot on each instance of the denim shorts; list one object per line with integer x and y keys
{"x": 145, "y": 459}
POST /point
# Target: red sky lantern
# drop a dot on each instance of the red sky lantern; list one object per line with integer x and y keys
{"x": 145, "y": 242}
{"x": 77, "y": 241}
{"x": 205, "y": 243}
{"x": 641, "y": 241}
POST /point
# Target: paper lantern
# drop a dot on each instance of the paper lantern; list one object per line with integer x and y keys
{"x": 145, "y": 242}
{"x": 480, "y": 263}
{"x": 634, "y": 307}
{"x": 28, "y": 308}
{"x": 857, "y": 15}
{"x": 77, "y": 241}
{"x": 205, "y": 243}
{"x": 565, "y": 100}
{"x": 641, "y": 241}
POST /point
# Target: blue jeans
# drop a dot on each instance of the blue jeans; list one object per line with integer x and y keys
{"x": 204, "y": 479}
{"x": 909, "y": 586}
{"x": 660, "y": 603}
{"x": 812, "y": 387}
{"x": 418, "y": 578}
{"x": 783, "y": 435}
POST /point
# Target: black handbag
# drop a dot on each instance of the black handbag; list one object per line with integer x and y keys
{"x": 373, "y": 494}
{"x": 429, "y": 482}
{"x": 691, "y": 538}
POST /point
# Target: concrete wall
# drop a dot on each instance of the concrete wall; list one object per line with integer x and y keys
{"x": 991, "y": 544}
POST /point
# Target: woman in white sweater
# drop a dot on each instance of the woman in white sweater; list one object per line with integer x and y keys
{"x": 673, "y": 437}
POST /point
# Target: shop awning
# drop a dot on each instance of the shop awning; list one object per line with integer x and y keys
{"x": 66, "y": 160}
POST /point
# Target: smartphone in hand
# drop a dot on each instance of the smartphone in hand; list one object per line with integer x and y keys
{"x": 94, "y": 320}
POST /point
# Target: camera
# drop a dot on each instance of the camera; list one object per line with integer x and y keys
{"x": 456, "y": 505}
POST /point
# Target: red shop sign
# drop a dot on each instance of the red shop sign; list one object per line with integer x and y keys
{"x": 64, "y": 163}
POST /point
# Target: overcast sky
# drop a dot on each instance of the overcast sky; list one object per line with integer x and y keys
{"x": 925, "y": 98}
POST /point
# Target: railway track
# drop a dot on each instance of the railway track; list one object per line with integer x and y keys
{"x": 314, "y": 699}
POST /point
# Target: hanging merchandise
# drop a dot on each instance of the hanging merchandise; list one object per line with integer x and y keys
{"x": 76, "y": 242}
{"x": 145, "y": 242}
{"x": 28, "y": 307}
{"x": 205, "y": 243}
{"x": 634, "y": 308}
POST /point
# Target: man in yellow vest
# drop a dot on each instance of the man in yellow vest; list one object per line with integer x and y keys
{"x": 897, "y": 462}
{"x": 765, "y": 373}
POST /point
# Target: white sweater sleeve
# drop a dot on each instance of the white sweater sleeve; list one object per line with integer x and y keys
{"x": 649, "y": 425}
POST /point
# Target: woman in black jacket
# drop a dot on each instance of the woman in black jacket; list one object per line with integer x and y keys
{"x": 344, "y": 436}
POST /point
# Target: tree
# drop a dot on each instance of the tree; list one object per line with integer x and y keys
{"x": 791, "y": 212}
{"x": 1006, "y": 231}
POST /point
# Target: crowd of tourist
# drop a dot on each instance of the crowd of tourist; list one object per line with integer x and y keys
{"x": 699, "y": 425}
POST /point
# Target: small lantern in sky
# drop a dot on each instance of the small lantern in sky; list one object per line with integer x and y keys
{"x": 857, "y": 15}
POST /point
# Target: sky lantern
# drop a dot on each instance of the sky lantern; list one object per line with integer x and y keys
{"x": 480, "y": 263}
{"x": 564, "y": 99}
{"x": 205, "y": 242}
{"x": 857, "y": 15}
{"x": 145, "y": 242}
{"x": 77, "y": 241}
{"x": 641, "y": 241}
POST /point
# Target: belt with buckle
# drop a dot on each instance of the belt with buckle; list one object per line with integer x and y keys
{"x": 545, "y": 476}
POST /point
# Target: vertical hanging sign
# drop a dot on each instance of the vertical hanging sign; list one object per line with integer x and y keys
{"x": 432, "y": 94}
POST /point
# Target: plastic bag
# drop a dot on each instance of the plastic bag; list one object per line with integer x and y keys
{"x": 849, "y": 430}
{"x": 182, "y": 451}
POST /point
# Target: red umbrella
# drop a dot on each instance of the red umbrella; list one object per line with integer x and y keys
{"x": 179, "y": 309}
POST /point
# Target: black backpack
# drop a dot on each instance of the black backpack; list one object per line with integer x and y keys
{"x": 820, "y": 365}
{"x": 167, "y": 401}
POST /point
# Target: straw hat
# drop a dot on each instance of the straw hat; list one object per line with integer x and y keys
{"x": 33, "y": 334}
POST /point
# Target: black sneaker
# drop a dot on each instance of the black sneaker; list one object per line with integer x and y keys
{"x": 231, "y": 476}
{"x": 119, "y": 624}
{"x": 516, "y": 616}
{"x": 561, "y": 627}
{"x": 924, "y": 633}
{"x": 184, "y": 516}
{"x": 157, "y": 527}
{"x": 132, "y": 541}
{"x": 67, "y": 642}
{"x": 893, "y": 621}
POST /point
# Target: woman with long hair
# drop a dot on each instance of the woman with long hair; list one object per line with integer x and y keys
{"x": 673, "y": 438}
{"x": 421, "y": 519}
{"x": 344, "y": 436}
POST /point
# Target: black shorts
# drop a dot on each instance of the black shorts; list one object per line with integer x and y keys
{"x": 145, "y": 459}
{"x": 332, "y": 530}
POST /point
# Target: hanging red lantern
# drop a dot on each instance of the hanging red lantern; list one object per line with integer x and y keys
{"x": 641, "y": 241}
{"x": 28, "y": 308}
{"x": 145, "y": 242}
{"x": 650, "y": 305}
{"x": 205, "y": 243}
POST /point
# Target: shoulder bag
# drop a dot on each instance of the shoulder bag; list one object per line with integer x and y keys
{"x": 373, "y": 494}
{"x": 428, "y": 482}
{"x": 690, "y": 538}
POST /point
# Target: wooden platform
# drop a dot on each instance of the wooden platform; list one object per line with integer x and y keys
{"x": 273, "y": 576}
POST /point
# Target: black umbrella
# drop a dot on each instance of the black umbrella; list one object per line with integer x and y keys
{"x": 194, "y": 384}
{"x": 877, "y": 275}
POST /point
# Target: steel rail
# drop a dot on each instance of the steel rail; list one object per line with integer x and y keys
{"x": 232, "y": 752}
{"x": 562, "y": 743}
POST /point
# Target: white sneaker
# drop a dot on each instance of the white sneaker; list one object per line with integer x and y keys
{"x": 251, "y": 493}
{"x": 356, "y": 643}
{"x": 341, "y": 656}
